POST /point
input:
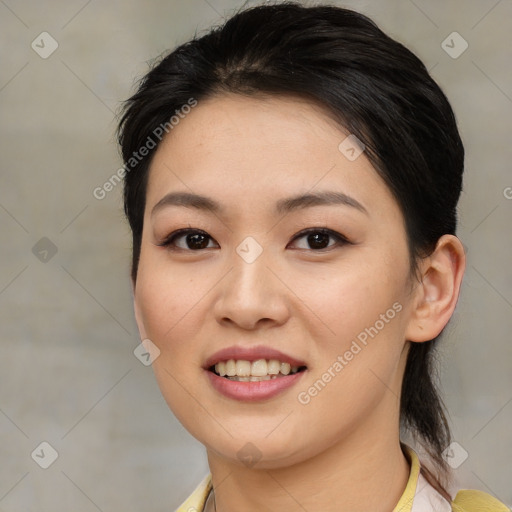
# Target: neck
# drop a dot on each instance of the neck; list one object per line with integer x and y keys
{"x": 362, "y": 472}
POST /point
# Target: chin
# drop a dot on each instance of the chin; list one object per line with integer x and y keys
{"x": 259, "y": 452}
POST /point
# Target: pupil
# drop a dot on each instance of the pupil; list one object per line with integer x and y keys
{"x": 316, "y": 240}
{"x": 197, "y": 241}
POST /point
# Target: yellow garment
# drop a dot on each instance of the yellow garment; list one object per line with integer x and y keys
{"x": 478, "y": 501}
{"x": 195, "y": 502}
{"x": 465, "y": 501}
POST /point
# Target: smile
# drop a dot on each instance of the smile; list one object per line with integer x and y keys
{"x": 242, "y": 370}
{"x": 254, "y": 373}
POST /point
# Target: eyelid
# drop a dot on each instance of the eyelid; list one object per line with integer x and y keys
{"x": 180, "y": 232}
{"x": 340, "y": 239}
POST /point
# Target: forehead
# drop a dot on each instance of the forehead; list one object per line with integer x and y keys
{"x": 229, "y": 122}
{"x": 247, "y": 150}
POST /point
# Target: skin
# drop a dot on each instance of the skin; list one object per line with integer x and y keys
{"x": 340, "y": 452}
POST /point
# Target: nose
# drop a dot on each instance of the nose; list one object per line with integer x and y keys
{"x": 252, "y": 295}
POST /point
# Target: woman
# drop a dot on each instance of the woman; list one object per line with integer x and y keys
{"x": 291, "y": 183}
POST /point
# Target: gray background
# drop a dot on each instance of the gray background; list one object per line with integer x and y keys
{"x": 68, "y": 373}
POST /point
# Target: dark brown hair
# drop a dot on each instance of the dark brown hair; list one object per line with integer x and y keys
{"x": 375, "y": 87}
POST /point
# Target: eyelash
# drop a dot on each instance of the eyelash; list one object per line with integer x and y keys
{"x": 169, "y": 240}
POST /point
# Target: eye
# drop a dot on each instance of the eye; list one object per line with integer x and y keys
{"x": 194, "y": 240}
{"x": 318, "y": 238}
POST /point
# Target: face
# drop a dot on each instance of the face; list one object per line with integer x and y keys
{"x": 324, "y": 281}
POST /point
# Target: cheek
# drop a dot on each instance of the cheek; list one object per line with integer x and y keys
{"x": 170, "y": 306}
{"x": 170, "y": 302}
{"x": 356, "y": 367}
{"x": 346, "y": 301}
{"x": 356, "y": 359}
{"x": 175, "y": 305}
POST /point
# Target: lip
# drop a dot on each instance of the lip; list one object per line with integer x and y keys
{"x": 253, "y": 391}
{"x": 251, "y": 354}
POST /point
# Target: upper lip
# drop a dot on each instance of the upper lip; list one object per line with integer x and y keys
{"x": 251, "y": 354}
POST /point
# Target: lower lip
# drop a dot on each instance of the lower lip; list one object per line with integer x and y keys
{"x": 253, "y": 391}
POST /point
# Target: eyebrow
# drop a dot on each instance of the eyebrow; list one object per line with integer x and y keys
{"x": 286, "y": 205}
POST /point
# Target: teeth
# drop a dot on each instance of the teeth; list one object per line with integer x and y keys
{"x": 230, "y": 368}
{"x": 243, "y": 368}
{"x": 273, "y": 367}
{"x": 260, "y": 369}
{"x": 251, "y": 379}
{"x": 220, "y": 368}
{"x": 257, "y": 379}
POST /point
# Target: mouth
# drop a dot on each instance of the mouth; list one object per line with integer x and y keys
{"x": 253, "y": 374}
{"x": 243, "y": 370}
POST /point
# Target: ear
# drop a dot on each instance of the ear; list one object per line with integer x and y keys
{"x": 435, "y": 297}
{"x": 138, "y": 314}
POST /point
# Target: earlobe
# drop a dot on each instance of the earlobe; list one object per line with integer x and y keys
{"x": 437, "y": 294}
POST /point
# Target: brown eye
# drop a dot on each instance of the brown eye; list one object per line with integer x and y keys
{"x": 319, "y": 239}
{"x": 196, "y": 241}
{"x": 193, "y": 240}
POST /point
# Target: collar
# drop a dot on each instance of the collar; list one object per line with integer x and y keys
{"x": 419, "y": 495}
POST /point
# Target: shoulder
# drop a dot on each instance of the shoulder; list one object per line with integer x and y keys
{"x": 421, "y": 495}
{"x": 477, "y": 501}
